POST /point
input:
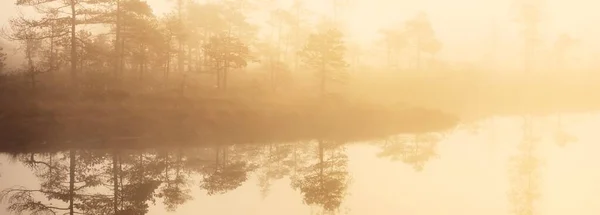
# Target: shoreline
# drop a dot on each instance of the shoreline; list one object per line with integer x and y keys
{"x": 130, "y": 123}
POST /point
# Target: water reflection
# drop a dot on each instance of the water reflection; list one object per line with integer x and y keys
{"x": 562, "y": 137}
{"x": 324, "y": 181}
{"x": 525, "y": 173}
{"x": 227, "y": 171}
{"x": 414, "y": 150}
{"x": 279, "y": 161}
{"x": 420, "y": 173}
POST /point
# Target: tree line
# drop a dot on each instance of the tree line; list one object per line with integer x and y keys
{"x": 128, "y": 41}
{"x": 109, "y": 42}
{"x": 102, "y": 43}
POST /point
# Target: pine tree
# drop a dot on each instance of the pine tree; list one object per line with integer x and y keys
{"x": 324, "y": 53}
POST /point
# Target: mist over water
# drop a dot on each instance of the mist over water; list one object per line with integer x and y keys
{"x": 477, "y": 168}
{"x": 132, "y": 107}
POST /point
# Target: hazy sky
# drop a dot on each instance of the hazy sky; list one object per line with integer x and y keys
{"x": 464, "y": 26}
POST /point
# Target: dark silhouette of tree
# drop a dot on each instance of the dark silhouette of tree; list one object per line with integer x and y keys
{"x": 276, "y": 165}
{"x": 95, "y": 53}
{"x": 226, "y": 174}
{"x": 169, "y": 28}
{"x": 299, "y": 31}
{"x": 175, "y": 177}
{"x": 180, "y": 33}
{"x": 325, "y": 182}
{"x": 72, "y": 12}
{"x": 272, "y": 49}
{"x": 133, "y": 179}
{"x": 415, "y": 150}
{"x": 32, "y": 48}
{"x": 237, "y": 23}
{"x": 282, "y": 22}
{"x": 31, "y": 36}
{"x": 395, "y": 41}
{"x": 144, "y": 180}
{"x": 226, "y": 52}
{"x": 138, "y": 178}
{"x": 137, "y": 30}
{"x": 421, "y": 37}
{"x": 204, "y": 21}
{"x": 325, "y": 53}
{"x": 277, "y": 69}
{"x": 65, "y": 177}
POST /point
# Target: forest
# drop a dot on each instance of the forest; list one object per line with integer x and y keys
{"x": 185, "y": 76}
{"x": 115, "y": 107}
{"x": 98, "y": 70}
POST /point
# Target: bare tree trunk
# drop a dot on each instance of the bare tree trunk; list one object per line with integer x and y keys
{"x": 119, "y": 171}
{"x": 117, "y": 69}
{"x": 28, "y": 54}
{"x": 71, "y": 181}
{"x": 180, "y": 53}
{"x": 115, "y": 183}
{"x": 122, "y": 58}
{"x": 226, "y": 61}
{"x": 52, "y": 55}
{"x": 73, "y": 45}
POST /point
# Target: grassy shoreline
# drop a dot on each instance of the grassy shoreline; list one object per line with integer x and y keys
{"x": 42, "y": 121}
{"x": 138, "y": 113}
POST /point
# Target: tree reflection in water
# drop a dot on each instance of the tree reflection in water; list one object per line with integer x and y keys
{"x": 525, "y": 173}
{"x": 277, "y": 162}
{"x": 120, "y": 182}
{"x": 66, "y": 180}
{"x": 226, "y": 173}
{"x": 414, "y": 149}
{"x": 127, "y": 182}
{"x": 324, "y": 181}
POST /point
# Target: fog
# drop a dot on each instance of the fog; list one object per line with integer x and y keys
{"x": 107, "y": 106}
{"x": 469, "y": 29}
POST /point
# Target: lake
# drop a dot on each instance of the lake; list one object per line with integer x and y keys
{"x": 502, "y": 165}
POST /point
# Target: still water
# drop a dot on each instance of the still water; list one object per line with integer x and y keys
{"x": 503, "y": 165}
